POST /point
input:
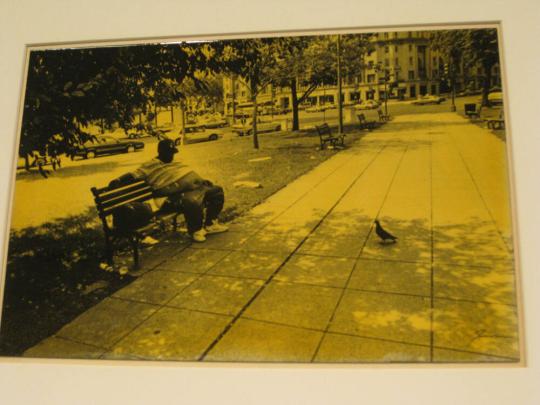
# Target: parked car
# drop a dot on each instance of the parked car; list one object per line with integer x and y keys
{"x": 367, "y": 105}
{"x": 316, "y": 108}
{"x": 428, "y": 99}
{"x": 213, "y": 121}
{"x": 106, "y": 145}
{"x": 262, "y": 126}
{"x": 495, "y": 97}
{"x": 198, "y": 133}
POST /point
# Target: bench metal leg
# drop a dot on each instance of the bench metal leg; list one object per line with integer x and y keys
{"x": 109, "y": 250}
{"x": 135, "y": 246}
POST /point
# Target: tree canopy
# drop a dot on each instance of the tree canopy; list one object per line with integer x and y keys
{"x": 474, "y": 47}
{"x": 67, "y": 89}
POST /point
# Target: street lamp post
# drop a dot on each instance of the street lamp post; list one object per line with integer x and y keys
{"x": 340, "y": 103}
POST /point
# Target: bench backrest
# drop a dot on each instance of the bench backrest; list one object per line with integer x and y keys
{"x": 323, "y": 130}
{"x": 109, "y": 198}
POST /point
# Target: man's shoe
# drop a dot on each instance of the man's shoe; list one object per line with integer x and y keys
{"x": 199, "y": 236}
{"x": 216, "y": 227}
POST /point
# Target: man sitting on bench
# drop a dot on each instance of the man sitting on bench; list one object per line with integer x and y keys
{"x": 176, "y": 185}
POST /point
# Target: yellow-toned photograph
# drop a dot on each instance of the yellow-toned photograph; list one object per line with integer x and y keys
{"x": 342, "y": 197}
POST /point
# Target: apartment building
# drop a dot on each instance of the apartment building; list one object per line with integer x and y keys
{"x": 402, "y": 65}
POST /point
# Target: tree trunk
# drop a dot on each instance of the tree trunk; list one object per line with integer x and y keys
{"x": 254, "y": 116}
{"x": 26, "y": 162}
{"x": 486, "y": 85}
{"x": 294, "y": 98}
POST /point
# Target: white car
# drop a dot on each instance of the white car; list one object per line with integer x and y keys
{"x": 262, "y": 126}
{"x": 495, "y": 97}
{"x": 198, "y": 133}
{"x": 367, "y": 105}
{"x": 428, "y": 99}
{"x": 316, "y": 108}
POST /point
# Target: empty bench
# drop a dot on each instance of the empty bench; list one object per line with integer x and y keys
{"x": 326, "y": 136}
{"x": 496, "y": 123}
{"x": 365, "y": 124}
{"x": 125, "y": 215}
{"x": 382, "y": 116}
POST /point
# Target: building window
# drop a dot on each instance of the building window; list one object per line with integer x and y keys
{"x": 370, "y": 78}
{"x": 411, "y": 74}
{"x": 396, "y": 48}
{"x": 386, "y": 49}
{"x": 397, "y": 62}
{"x": 410, "y": 47}
{"x": 386, "y": 62}
{"x": 386, "y": 35}
{"x": 411, "y": 60}
{"x": 410, "y": 34}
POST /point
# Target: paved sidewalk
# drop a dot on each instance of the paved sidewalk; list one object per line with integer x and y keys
{"x": 303, "y": 278}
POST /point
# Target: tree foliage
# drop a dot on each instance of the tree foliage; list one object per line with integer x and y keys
{"x": 475, "y": 47}
{"x": 254, "y": 60}
{"x": 309, "y": 62}
{"x": 68, "y": 89}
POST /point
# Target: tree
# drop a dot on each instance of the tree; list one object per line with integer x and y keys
{"x": 70, "y": 88}
{"x": 473, "y": 47}
{"x": 254, "y": 60}
{"x": 482, "y": 48}
{"x": 306, "y": 63}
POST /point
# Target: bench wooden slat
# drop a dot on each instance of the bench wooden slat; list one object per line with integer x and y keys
{"x": 106, "y": 211}
{"x": 104, "y": 191}
{"x": 117, "y": 198}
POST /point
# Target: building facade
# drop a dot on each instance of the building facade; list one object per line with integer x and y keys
{"x": 402, "y": 65}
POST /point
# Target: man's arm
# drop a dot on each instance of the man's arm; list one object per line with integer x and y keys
{"x": 124, "y": 179}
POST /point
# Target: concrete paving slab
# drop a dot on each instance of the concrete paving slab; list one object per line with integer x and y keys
{"x": 294, "y": 305}
{"x": 322, "y": 245}
{"x": 217, "y": 294}
{"x": 493, "y": 284}
{"x": 156, "y": 287}
{"x": 336, "y": 348}
{"x": 194, "y": 260}
{"x": 456, "y": 356}
{"x": 271, "y": 242}
{"x": 250, "y": 340}
{"x": 391, "y": 277}
{"x": 249, "y": 264}
{"x": 107, "y": 322}
{"x": 57, "y": 348}
{"x": 317, "y": 270}
{"x": 489, "y": 329}
{"x": 224, "y": 241}
{"x": 171, "y": 334}
{"x": 400, "y": 318}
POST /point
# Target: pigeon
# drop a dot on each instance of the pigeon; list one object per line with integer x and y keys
{"x": 384, "y": 235}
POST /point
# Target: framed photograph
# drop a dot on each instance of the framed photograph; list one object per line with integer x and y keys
{"x": 330, "y": 197}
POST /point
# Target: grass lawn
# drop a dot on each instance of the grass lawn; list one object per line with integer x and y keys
{"x": 53, "y": 271}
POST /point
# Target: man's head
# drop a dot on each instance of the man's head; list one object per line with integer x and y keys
{"x": 166, "y": 150}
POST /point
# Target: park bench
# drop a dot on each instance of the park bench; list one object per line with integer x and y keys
{"x": 120, "y": 206}
{"x": 365, "y": 124}
{"x": 472, "y": 111}
{"x": 496, "y": 123}
{"x": 326, "y": 136}
{"x": 383, "y": 117}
